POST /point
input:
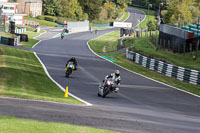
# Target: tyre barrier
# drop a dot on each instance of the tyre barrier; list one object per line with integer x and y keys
{"x": 180, "y": 73}
{"x": 10, "y": 41}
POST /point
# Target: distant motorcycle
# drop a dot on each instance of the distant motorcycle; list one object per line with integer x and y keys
{"x": 62, "y": 36}
{"x": 109, "y": 87}
{"x": 69, "y": 69}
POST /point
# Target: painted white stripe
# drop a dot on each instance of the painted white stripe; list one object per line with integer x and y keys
{"x": 160, "y": 66}
{"x": 169, "y": 70}
{"x": 144, "y": 62}
{"x": 152, "y": 61}
{"x": 42, "y": 101}
{"x": 180, "y": 73}
{"x": 137, "y": 58}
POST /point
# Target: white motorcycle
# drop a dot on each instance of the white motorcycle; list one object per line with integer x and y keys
{"x": 109, "y": 87}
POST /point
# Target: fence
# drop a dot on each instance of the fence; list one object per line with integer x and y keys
{"x": 78, "y": 26}
{"x": 20, "y": 30}
{"x": 180, "y": 73}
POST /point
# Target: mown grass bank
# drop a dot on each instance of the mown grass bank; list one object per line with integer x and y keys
{"x": 140, "y": 46}
{"x": 22, "y": 75}
{"x": 42, "y": 22}
{"x": 8, "y": 35}
{"x": 15, "y": 125}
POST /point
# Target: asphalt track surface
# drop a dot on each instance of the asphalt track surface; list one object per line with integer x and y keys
{"x": 141, "y": 106}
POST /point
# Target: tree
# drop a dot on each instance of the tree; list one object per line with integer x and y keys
{"x": 151, "y": 26}
{"x": 178, "y": 10}
{"x": 72, "y": 9}
{"x": 52, "y": 7}
{"x": 92, "y": 8}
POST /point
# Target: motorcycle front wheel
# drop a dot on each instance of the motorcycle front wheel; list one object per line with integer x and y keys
{"x": 106, "y": 91}
{"x": 67, "y": 73}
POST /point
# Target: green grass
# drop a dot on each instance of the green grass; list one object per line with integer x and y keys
{"x": 168, "y": 56}
{"x": 31, "y": 41}
{"x": 28, "y": 28}
{"x": 15, "y": 125}
{"x": 151, "y": 16}
{"x": 8, "y": 35}
{"x": 126, "y": 14}
{"x": 42, "y": 22}
{"x": 140, "y": 46}
{"x": 109, "y": 41}
{"x": 22, "y": 75}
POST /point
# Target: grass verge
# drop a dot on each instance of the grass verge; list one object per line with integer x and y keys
{"x": 126, "y": 15}
{"x": 42, "y": 22}
{"x": 15, "y": 125}
{"x": 8, "y": 35}
{"x": 22, "y": 75}
{"x": 105, "y": 43}
{"x": 140, "y": 44}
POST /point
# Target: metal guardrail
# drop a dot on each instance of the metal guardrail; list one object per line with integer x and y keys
{"x": 180, "y": 73}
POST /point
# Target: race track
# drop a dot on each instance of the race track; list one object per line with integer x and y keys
{"x": 141, "y": 106}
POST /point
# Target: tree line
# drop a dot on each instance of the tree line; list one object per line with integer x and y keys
{"x": 173, "y": 10}
{"x": 84, "y": 9}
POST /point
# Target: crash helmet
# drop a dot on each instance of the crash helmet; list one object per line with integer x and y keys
{"x": 117, "y": 73}
{"x": 73, "y": 58}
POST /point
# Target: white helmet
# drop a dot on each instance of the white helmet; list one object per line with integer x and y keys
{"x": 117, "y": 73}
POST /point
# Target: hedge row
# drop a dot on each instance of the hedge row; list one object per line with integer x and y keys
{"x": 48, "y": 18}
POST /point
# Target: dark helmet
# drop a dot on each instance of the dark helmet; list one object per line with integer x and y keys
{"x": 73, "y": 59}
{"x": 117, "y": 73}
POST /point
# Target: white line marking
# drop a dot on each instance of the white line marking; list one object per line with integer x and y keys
{"x": 42, "y": 101}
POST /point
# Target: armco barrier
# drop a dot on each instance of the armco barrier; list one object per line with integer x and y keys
{"x": 180, "y": 73}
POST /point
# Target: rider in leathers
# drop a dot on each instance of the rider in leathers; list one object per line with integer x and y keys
{"x": 116, "y": 76}
{"x": 73, "y": 59}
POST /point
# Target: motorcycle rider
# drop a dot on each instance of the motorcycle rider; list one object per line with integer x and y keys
{"x": 62, "y": 35}
{"x": 73, "y": 59}
{"x": 115, "y": 76}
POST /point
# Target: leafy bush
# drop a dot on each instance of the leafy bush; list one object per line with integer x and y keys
{"x": 50, "y": 18}
{"x": 41, "y": 17}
